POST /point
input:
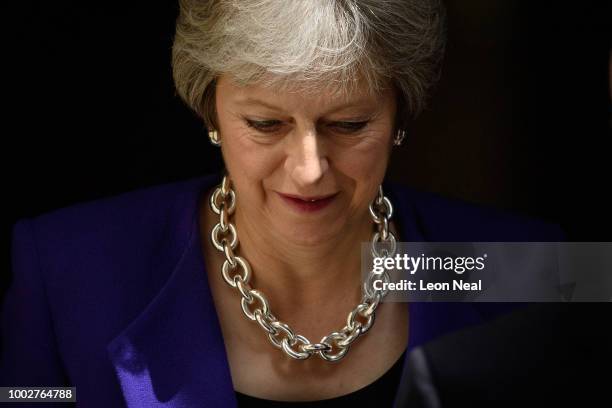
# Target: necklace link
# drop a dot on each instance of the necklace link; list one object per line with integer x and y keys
{"x": 226, "y": 269}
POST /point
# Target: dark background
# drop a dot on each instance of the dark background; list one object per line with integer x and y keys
{"x": 520, "y": 119}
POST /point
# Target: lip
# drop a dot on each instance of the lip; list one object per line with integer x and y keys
{"x": 308, "y": 204}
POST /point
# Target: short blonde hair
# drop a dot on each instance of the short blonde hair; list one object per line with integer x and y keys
{"x": 299, "y": 44}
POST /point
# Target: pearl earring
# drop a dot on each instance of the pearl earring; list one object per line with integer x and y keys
{"x": 213, "y": 135}
{"x": 399, "y": 137}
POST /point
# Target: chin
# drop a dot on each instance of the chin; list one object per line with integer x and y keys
{"x": 308, "y": 235}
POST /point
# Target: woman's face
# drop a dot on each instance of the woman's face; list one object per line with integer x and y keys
{"x": 304, "y": 168}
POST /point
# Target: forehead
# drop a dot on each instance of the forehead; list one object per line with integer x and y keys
{"x": 304, "y": 95}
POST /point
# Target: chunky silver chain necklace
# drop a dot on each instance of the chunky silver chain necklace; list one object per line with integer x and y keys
{"x": 236, "y": 272}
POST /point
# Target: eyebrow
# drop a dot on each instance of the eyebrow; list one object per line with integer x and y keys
{"x": 255, "y": 101}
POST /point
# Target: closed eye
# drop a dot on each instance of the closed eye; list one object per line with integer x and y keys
{"x": 349, "y": 126}
{"x": 269, "y": 126}
{"x": 263, "y": 125}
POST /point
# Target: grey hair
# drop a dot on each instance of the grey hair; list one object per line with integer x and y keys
{"x": 303, "y": 44}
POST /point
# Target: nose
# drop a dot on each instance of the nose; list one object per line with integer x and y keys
{"x": 306, "y": 162}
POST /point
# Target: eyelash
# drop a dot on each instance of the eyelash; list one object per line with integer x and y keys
{"x": 266, "y": 126}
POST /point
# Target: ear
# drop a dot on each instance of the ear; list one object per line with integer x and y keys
{"x": 209, "y": 106}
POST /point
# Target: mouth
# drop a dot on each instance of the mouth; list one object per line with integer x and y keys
{"x": 308, "y": 204}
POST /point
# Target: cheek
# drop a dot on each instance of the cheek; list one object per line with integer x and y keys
{"x": 366, "y": 162}
{"x": 365, "y": 166}
{"x": 247, "y": 162}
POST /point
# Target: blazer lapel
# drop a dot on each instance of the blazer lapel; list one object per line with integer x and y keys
{"x": 172, "y": 354}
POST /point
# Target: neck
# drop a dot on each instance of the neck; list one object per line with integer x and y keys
{"x": 325, "y": 277}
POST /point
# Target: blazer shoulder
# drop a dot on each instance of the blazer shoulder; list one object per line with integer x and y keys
{"x": 118, "y": 232}
{"x": 142, "y": 207}
{"x": 443, "y": 218}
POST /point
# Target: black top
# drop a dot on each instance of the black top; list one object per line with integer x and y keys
{"x": 380, "y": 393}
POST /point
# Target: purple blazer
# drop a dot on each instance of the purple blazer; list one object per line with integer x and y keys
{"x": 111, "y": 296}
